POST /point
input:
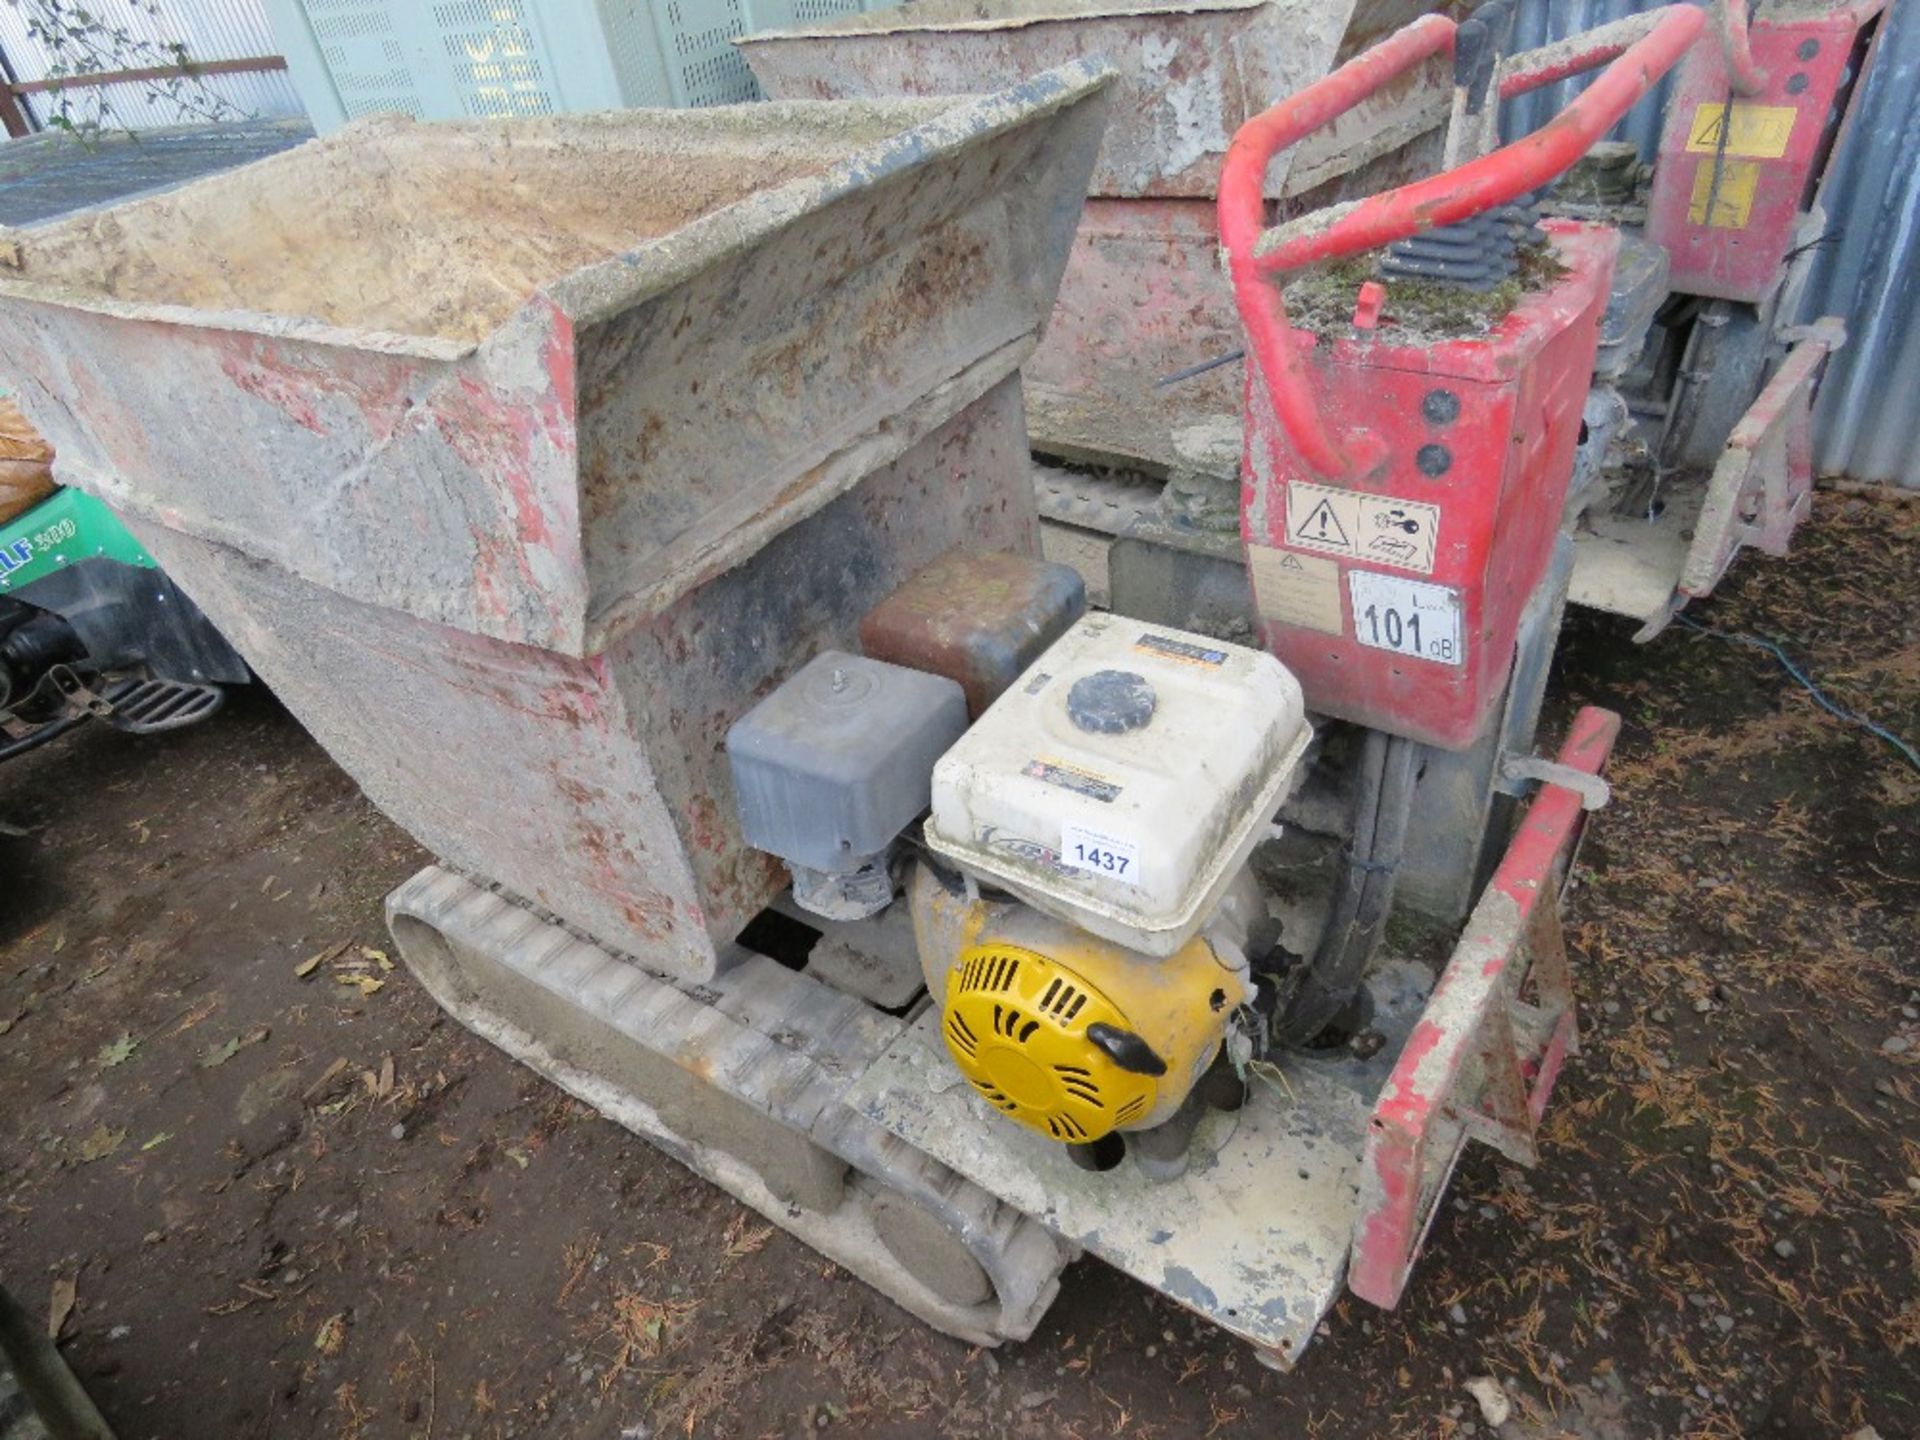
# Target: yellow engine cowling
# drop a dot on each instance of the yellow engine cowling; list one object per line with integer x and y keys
{"x": 1063, "y": 1031}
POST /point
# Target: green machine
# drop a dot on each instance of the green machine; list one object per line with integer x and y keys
{"x": 91, "y": 628}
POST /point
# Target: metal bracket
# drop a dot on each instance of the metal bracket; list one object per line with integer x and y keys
{"x": 1518, "y": 772}
{"x": 1482, "y": 1060}
{"x": 77, "y": 693}
{"x": 1762, "y": 484}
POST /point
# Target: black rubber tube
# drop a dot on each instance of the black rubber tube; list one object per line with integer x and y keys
{"x": 1363, "y": 897}
{"x": 52, "y": 730}
{"x": 1306, "y": 1011}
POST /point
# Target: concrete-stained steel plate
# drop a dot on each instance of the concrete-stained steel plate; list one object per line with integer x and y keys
{"x": 1254, "y": 1236}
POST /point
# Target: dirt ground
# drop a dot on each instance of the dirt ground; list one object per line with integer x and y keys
{"x": 295, "y": 1201}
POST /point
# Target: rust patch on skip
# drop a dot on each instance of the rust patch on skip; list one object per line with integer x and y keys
{"x": 290, "y": 396}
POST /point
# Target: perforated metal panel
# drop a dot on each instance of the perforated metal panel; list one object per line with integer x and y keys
{"x": 634, "y": 49}
{"x": 711, "y": 70}
{"x": 438, "y": 59}
{"x": 363, "y": 54}
{"x": 493, "y": 58}
{"x": 806, "y": 12}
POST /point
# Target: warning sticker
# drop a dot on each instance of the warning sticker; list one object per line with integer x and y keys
{"x": 1758, "y": 132}
{"x": 1296, "y": 589}
{"x": 1323, "y": 518}
{"x": 1185, "y": 651}
{"x": 1383, "y": 529}
{"x": 1072, "y": 777}
{"x": 1723, "y": 194}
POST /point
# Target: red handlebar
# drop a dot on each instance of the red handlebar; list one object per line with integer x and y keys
{"x": 1736, "y": 45}
{"x": 1484, "y": 184}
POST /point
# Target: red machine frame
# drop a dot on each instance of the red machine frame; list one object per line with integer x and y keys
{"x": 1482, "y": 1062}
{"x": 1464, "y": 445}
{"x": 1746, "y": 133}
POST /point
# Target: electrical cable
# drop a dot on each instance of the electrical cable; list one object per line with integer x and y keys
{"x": 1838, "y": 711}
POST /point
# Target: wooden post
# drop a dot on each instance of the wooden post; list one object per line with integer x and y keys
{"x": 13, "y": 114}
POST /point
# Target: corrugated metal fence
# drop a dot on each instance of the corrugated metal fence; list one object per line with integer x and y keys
{"x": 1869, "y": 269}
{"x": 1870, "y": 273}
{"x": 205, "y": 30}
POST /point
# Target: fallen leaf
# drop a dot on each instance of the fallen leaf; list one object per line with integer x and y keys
{"x": 369, "y": 984}
{"x": 157, "y": 1141}
{"x": 220, "y": 1054}
{"x": 747, "y": 1242}
{"x": 517, "y": 1155}
{"x": 100, "y": 1144}
{"x": 11, "y": 1021}
{"x": 194, "y": 1016}
{"x": 66, "y": 1290}
{"x": 116, "y": 1052}
{"x": 327, "y": 1077}
{"x": 320, "y": 957}
{"x": 385, "y": 1087}
{"x": 332, "y": 1335}
{"x": 379, "y": 957}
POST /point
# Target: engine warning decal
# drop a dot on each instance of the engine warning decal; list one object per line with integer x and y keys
{"x": 1317, "y": 520}
{"x": 1296, "y": 589}
{"x": 1408, "y": 617}
{"x": 1072, "y": 777}
{"x": 1082, "y": 848}
{"x": 1756, "y": 132}
{"x": 1723, "y": 194}
{"x": 1185, "y": 651}
{"x": 1383, "y": 529}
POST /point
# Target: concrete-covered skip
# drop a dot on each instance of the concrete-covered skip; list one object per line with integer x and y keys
{"x": 520, "y": 459}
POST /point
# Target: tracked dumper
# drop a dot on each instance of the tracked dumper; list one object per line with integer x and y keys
{"x": 639, "y": 507}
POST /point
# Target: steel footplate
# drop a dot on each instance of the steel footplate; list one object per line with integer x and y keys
{"x": 741, "y": 1079}
{"x": 147, "y": 707}
{"x": 1254, "y": 1236}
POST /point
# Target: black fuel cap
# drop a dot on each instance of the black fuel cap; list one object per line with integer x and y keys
{"x": 1110, "y": 702}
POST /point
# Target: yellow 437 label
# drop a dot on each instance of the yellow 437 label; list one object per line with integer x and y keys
{"x": 1755, "y": 132}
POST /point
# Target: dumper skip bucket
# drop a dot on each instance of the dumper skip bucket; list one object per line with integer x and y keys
{"x": 1190, "y": 74}
{"x": 520, "y": 458}
{"x": 1143, "y": 297}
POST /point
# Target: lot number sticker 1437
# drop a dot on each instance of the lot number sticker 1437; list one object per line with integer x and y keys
{"x": 1407, "y": 617}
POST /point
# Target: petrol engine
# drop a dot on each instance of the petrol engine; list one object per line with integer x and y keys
{"x": 1079, "y": 888}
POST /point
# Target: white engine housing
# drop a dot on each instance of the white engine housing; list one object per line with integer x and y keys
{"x": 1124, "y": 779}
